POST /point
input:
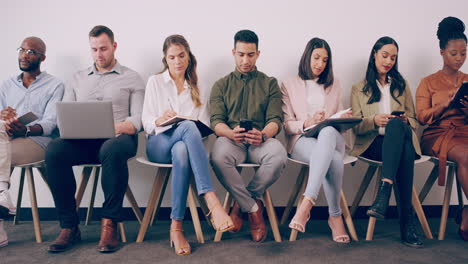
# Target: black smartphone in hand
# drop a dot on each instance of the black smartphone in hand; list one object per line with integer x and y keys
{"x": 246, "y": 124}
{"x": 397, "y": 113}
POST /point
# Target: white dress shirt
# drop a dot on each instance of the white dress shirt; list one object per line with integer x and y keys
{"x": 384, "y": 104}
{"x": 161, "y": 95}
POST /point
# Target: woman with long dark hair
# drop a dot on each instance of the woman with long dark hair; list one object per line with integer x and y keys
{"x": 175, "y": 91}
{"x": 388, "y": 136}
{"x": 446, "y": 137}
{"x": 308, "y": 98}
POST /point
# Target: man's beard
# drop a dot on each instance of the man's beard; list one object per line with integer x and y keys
{"x": 34, "y": 65}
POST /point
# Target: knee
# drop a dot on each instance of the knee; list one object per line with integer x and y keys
{"x": 56, "y": 151}
{"x": 329, "y": 131}
{"x": 277, "y": 156}
{"x": 111, "y": 151}
{"x": 395, "y": 124}
{"x": 220, "y": 154}
{"x": 188, "y": 127}
{"x": 180, "y": 154}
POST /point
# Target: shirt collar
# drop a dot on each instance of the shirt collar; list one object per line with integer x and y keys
{"x": 116, "y": 69}
{"x": 386, "y": 85}
{"x": 41, "y": 75}
{"x": 249, "y": 75}
{"x": 167, "y": 79}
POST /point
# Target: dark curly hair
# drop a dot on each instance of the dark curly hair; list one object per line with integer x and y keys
{"x": 450, "y": 28}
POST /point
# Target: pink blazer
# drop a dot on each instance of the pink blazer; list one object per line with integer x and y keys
{"x": 295, "y": 106}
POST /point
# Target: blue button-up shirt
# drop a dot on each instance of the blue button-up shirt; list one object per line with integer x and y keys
{"x": 40, "y": 98}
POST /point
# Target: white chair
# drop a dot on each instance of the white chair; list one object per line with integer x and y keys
{"x": 299, "y": 188}
{"x": 377, "y": 166}
{"x": 155, "y": 199}
{"x": 27, "y": 169}
{"x": 267, "y": 202}
{"x": 452, "y": 167}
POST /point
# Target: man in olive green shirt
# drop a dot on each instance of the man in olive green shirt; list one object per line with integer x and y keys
{"x": 247, "y": 94}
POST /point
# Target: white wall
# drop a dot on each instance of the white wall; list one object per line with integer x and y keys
{"x": 284, "y": 27}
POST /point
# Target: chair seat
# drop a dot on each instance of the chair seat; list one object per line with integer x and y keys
{"x": 145, "y": 161}
{"x": 422, "y": 159}
{"x": 37, "y": 164}
{"x": 347, "y": 160}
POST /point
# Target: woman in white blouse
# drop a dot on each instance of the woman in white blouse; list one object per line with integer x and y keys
{"x": 172, "y": 92}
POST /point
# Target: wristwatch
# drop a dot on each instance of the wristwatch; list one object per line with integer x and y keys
{"x": 28, "y": 130}
{"x": 264, "y": 137}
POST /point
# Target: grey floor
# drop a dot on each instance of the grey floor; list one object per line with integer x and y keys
{"x": 315, "y": 246}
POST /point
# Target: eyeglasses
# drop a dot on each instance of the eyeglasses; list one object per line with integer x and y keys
{"x": 28, "y": 51}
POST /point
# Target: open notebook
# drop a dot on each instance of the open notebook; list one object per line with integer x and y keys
{"x": 204, "y": 129}
{"x": 340, "y": 124}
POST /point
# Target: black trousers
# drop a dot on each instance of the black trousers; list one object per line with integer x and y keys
{"x": 62, "y": 154}
{"x": 396, "y": 151}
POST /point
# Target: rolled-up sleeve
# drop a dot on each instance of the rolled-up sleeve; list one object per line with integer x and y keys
{"x": 49, "y": 119}
{"x": 217, "y": 106}
{"x": 274, "y": 110}
{"x": 136, "y": 102}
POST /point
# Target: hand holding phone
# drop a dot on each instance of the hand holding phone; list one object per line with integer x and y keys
{"x": 246, "y": 124}
{"x": 397, "y": 113}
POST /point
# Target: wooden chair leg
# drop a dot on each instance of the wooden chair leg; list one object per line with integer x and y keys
{"x": 85, "y": 175}
{"x": 154, "y": 201}
{"x": 134, "y": 204}
{"x": 429, "y": 183}
{"x": 123, "y": 237}
{"x": 459, "y": 192}
{"x": 35, "y": 213}
{"x": 166, "y": 173}
{"x": 89, "y": 214}
{"x": 272, "y": 215}
{"x": 294, "y": 194}
{"x": 194, "y": 214}
{"x": 421, "y": 216}
{"x": 20, "y": 196}
{"x": 362, "y": 188}
{"x": 446, "y": 204}
{"x": 227, "y": 206}
{"x": 299, "y": 198}
{"x": 371, "y": 224}
{"x": 347, "y": 217}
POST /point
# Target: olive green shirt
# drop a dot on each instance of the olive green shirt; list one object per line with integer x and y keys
{"x": 254, "y": 96}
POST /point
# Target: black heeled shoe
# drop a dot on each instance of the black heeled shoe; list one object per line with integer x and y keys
{"x": 459, "y": 219}
{"x": 409, "y": 236}
{"x": 380, "y": 204}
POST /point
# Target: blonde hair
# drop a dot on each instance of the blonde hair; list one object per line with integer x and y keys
{"x": 191, "y": 72}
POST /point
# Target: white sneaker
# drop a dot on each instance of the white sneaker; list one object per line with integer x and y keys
{"x": 3, "y": 235}
{"x": 5, "y": 202}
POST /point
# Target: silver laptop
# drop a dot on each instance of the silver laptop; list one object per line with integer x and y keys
{"x": 85, "y": 120}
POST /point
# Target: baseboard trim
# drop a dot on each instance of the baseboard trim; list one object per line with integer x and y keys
{"x": 318, "y": 212}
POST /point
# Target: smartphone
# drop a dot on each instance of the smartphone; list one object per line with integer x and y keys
{"x": 397, "y": 113}
{"x": 27, "y": 118}
{"x": 246, "y": 124}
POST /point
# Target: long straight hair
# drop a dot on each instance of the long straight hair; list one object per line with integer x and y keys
{"x": 305, "y": 71}
{"x": 191, "y": 71}
{"x": 398, "y": 83}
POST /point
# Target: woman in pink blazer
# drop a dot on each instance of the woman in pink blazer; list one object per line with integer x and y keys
{"x": 308, "y": 98}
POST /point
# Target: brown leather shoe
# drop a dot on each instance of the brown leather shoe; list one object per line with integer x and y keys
{"x": 236, "y": 217}
{"x": 258, "y": 228}
{"x": 109, "y": 238}
{"x": 67, "y": 238}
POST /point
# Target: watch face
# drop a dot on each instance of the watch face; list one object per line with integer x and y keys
{"x": 264, "y": 137}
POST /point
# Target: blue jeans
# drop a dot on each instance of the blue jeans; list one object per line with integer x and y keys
{"x": 183, "y": 147}
{"x": 325, "y": 156}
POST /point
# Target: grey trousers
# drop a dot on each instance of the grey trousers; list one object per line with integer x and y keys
{"x": 226, "y": 154}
